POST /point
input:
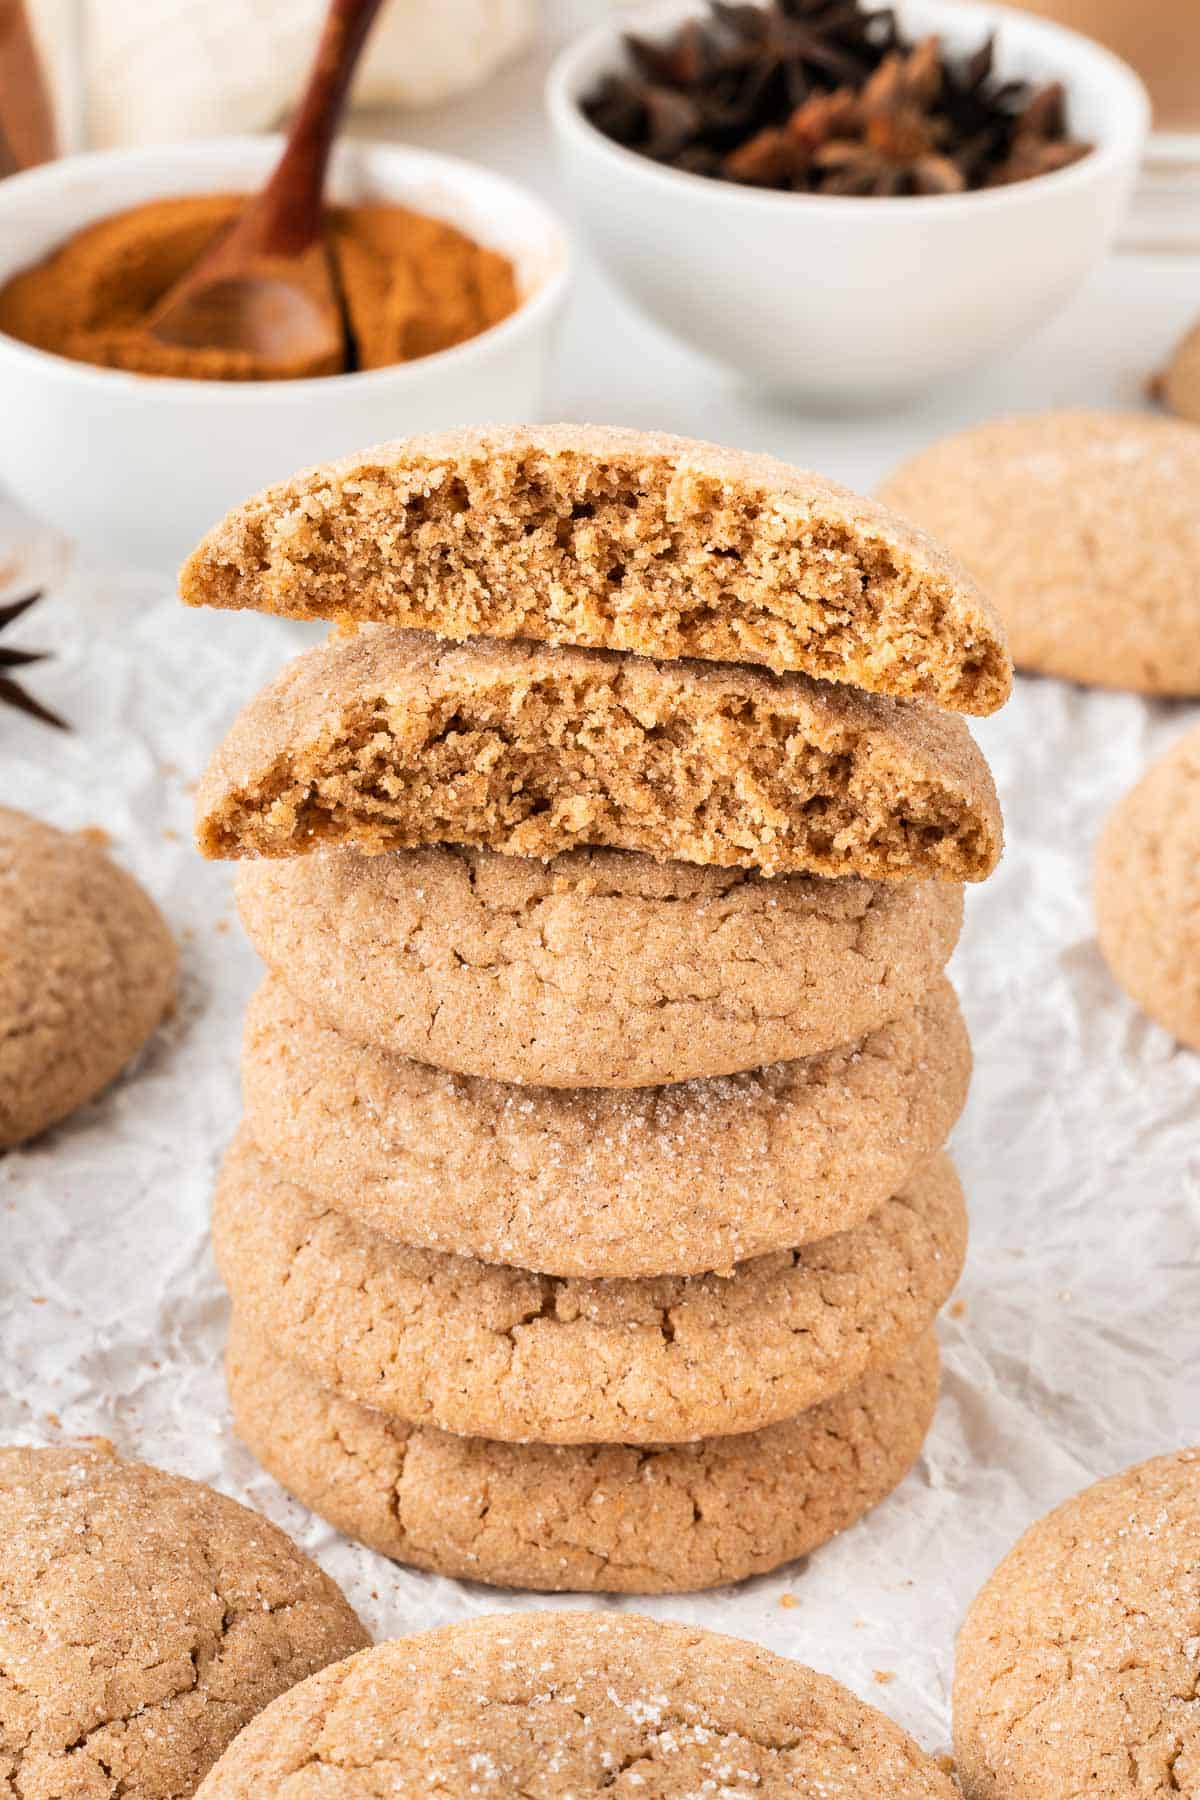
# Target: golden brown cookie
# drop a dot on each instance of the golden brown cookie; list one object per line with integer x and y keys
{"x": 1084, "y": 530}
{"x": 599, "y": 969}
{"x": 144, "y": 1619}
{"x": 622, "y": 540}
{"x": 87, "y": 970}
{"x": 598, "y": 1518}
{"x": 390, "y": 740}
{"x": 1147, "y": 891}
{"x": 1078, "y": 1662}
{"x": 488, "y": 1350}
{"x": 552, "y": 1705}
{"x": 603, "y": 1181}
{"x": 1179, "y": 384}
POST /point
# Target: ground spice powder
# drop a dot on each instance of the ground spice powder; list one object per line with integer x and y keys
{"x": 411, "y": 285}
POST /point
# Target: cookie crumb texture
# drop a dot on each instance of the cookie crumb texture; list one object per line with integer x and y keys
{"x": 603, "y": 1181}
{"x": 617, "y": 540}
{"x": 551, "y": 1705}
{"x": 389, "y": 740}
{"x": 499, "y": 1352}
{"x": 1084, "y": 530}
{"x": 602, "y": 1518}
{"x": 87, "y": 970}
{"x": 1148, "y": 891}
{"x": 1078, "y": 1663}
{"x": 597, "y": 969}
{"x": 144, "y": 1619}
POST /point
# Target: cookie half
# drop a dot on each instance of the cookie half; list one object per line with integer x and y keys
{"x": 558, "y": 1704}
{"x": 597, "y": 1518}
{"x": 599, "y": 969}
{"x": 1076, "y": 1669}
{"x": 146, "y": 1619}
{"x": 1084, "y": 530}
{"x": 603, "y": 1181}
{"x": 487, "y": 1350}
{"x": 621, "y": 540}
{"x": 389, "y": 740}
{"x": 1147, "y": 891}
{"x": 87, "y": 970}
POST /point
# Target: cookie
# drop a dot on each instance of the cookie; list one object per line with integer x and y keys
{"x": 1179, "y": 384}
{"x": 1076, "y": 1670}
{"x": 1084, "y": 530}
{"x": 597, "y": 1518}
{"x": 144, "y": 1619}
{"x": 390, "y": 740}
{"x": 557, "y": 1704}
{"x": 487, "y": 1350}
{"x": 1147, "y": 891}
{"x": 603, "y": 1181}
{"x": 87, "y": 971}
{"x": 599, "y": 969}
{"x": 622, "y": 540}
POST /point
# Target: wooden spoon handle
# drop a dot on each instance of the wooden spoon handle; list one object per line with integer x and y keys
{"x": 290, "y": 206}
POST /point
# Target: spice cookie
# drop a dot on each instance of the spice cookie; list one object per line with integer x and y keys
{"x": 1084, "y": 529}
{"x": 144, "y": 1619}
{"x": 603, "y": 1181}
{"x": 622, "y": 540}
{"x": 87, "y": 971}
{"x": 1147, "y": 891}
{"x": 1077, "y": 1662}
{"x": 574, "y": 1703}
{"x": 1179, "y": 384}
{"x": 488, "y": 1350}
{"x": 599, "y": 969}
{"x": 590, "y": 1517}
{"x": 389, "y": 740}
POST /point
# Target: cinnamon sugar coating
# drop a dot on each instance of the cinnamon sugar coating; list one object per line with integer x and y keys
{"x": 620, "y": 540}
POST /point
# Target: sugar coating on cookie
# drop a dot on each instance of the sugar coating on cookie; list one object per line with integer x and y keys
{"x": 144, "y": 1619}
{"x": 619, "y": 540}
{"x": 598, "y": 969}
{"x": 484, "y": 1349}
{"x": 602, "y": 1181}
{"x": 87, "y": 970}
{"x": 604, "y": 1518}
{"x": 388, "y": 740}
{"x": 1077, "y": 1663}
{"x": 1147, "y": 890}
{"x": 1084, "y": 530}
{"x": 574, "y": 1703}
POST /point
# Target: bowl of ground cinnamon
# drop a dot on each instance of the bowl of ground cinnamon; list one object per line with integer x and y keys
{"x": 450, "y": 278}
{"x": 846, "y": 201}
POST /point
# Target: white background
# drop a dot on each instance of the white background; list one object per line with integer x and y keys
{"x": 1077, "y": 1349}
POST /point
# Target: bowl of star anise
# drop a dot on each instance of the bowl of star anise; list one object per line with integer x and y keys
{"x": 844, "y": 202}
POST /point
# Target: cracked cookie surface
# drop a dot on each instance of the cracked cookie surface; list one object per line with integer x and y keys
{"x": 1084, "y": 530}
{"x": 390, "y": 740}
{"x": 604, "y": 1518}
{"x": 548, "y": 1705}
{"x": 1078, "y": 1664}
{"x": 144, "y": 1619}
{"x": 1147, "y": 890}
{"x": 621, "y": 540}
{"x": 498, "y": 1352}
{"x": 603, "y": 1181}
{"x": 87, "y": 970}
{"x": 597, "y": 969}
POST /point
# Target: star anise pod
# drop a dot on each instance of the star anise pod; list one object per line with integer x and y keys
{"x": 11, "y": 691}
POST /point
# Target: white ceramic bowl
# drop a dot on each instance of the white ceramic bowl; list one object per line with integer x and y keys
{"x": 853, "y": 300}
{"x": 137, "y": 468}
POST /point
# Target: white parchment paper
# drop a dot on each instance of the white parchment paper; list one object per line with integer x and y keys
{"x": 1074, "y": 1345}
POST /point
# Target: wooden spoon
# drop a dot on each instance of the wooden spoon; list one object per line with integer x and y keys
{"x": 267, "y": 285}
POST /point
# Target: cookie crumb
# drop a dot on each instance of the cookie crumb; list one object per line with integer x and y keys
{"x": 958, "y": 1309}
{"x": 95, "y": 834}
{"x": 788, "y": 1600}
{"x": 884, "y": 1676}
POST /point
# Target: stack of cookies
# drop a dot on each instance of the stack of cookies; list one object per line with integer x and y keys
{"x": 590, "y": 1215}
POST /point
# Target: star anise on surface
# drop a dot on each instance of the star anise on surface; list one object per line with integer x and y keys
{"x": 12, "y": 693}
{"x": 825, "y": 96}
